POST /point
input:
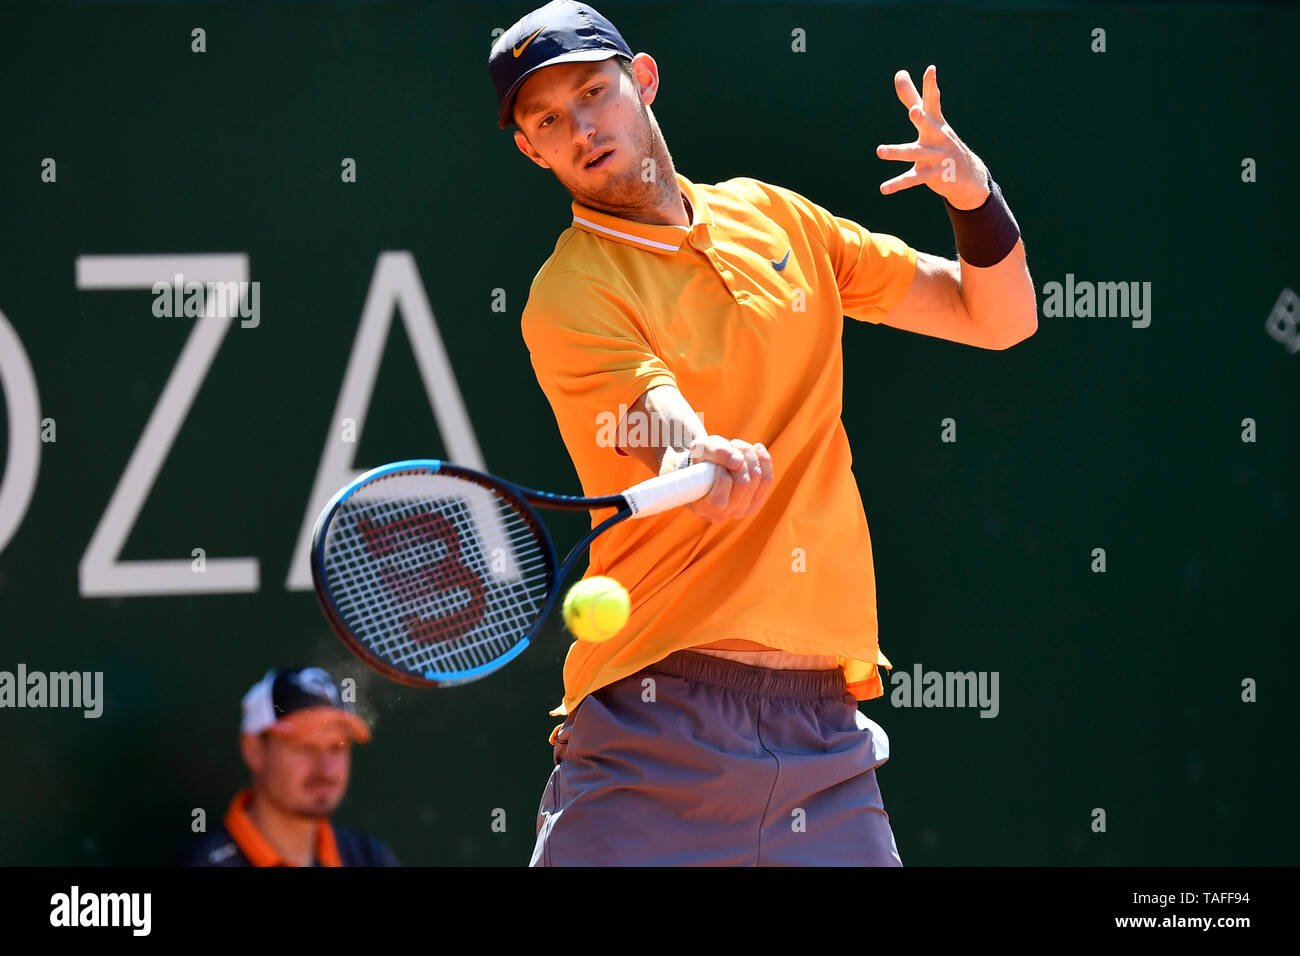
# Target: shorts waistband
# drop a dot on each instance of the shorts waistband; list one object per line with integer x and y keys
{"x": 751, "y": 678}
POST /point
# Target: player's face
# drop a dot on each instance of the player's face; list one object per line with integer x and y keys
{"x": 306, "y": 774}
{"x": 588, "y": 123}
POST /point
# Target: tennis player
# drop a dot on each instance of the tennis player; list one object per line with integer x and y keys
{"x": 296, "y": 738}
{"x": 721, "y": 726}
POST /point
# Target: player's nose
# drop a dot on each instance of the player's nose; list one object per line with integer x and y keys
{"x": 584, "y": 134}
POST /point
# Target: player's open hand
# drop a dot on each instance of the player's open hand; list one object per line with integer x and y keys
{"x": 743, "y": 482}
{"x": 939, "y": 158}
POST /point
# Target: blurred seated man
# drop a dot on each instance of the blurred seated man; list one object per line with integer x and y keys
{"x": 296, "y": 739}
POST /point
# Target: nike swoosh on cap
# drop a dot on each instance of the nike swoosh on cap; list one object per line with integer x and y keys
{"x": 520, "y": 49}
{"x": 778, "y": 266}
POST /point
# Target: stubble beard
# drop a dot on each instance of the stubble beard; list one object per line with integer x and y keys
{"x": 640, "y": 185}
{"x": 304, "y": 806}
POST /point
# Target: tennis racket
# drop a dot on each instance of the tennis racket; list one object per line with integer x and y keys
{"x": 437, "y": 575}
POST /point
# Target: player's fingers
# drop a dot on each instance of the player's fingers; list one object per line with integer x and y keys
{"x": 720, "y": 492}
{"x": 930, "y": 83}
{"x": 745, "y": 481}
{"x": 721, "y": 452}
{"x": 906, "y": 89}
{"x": 766, "y": 476}
{"x": 708, "y": 507}
{"x": 701, "y": 509}
{"x": 928, "y": 130}
{"x": 718, "y": 450}
{"x": 907, "y": 180}
{"x": 907, "y": 152}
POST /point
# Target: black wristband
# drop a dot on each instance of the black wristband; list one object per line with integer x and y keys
{"x": 987, "y": 233}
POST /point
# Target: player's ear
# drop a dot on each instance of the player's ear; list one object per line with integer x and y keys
{"x": 646, "y": 72}
{"x": 526, "y": 148}
{"x": 252, "y": 747}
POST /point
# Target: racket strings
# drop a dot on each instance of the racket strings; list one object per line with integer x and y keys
{"x": 435, "y": 574}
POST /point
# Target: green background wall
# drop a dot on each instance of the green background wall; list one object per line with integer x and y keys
{"x": 1119, "y": 690}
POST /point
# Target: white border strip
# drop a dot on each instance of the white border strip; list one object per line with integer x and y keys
{"x": 629, "y": 236}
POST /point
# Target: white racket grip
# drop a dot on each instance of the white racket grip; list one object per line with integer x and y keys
{"x": 669, "y": 491}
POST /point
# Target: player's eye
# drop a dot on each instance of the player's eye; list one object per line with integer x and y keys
{"x": 594, "y": 89}
{"x": 546, "y": 120}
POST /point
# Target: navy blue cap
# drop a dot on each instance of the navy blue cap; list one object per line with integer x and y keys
{"x": 560, "y": 32}
{"x": 290, "y": 699}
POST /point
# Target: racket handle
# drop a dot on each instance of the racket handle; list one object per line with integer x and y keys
{"x": 669, "y": 491}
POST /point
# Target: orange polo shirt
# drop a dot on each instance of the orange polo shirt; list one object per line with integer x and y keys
{"x": 258, "y": 849}
{"x": 743, "y": 312}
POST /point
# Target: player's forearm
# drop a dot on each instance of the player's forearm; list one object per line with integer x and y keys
{"x": 1000, "y": 298}
{"x": 660, "y": 427}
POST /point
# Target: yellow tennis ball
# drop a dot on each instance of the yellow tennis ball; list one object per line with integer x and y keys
{"x": 595, "y": 609}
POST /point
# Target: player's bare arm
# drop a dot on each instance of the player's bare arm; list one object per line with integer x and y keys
{"x": 745, "y": 479}
{"x": 993, "y": 307}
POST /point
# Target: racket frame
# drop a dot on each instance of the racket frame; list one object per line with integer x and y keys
{"x": 523, "y": 499}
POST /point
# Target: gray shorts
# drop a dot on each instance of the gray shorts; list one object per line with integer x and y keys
{"x": 701, "y": 761}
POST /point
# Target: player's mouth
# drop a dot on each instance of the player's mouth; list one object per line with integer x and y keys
{"x": 599, "y": 159}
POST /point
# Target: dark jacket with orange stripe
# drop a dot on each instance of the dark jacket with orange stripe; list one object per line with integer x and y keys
{"x": 237, "y": 842}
